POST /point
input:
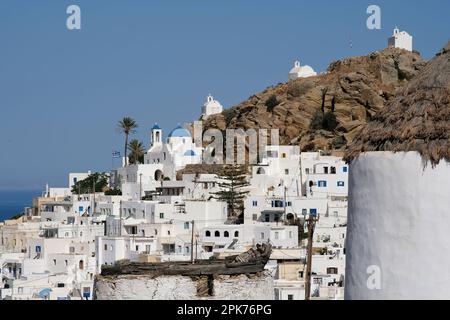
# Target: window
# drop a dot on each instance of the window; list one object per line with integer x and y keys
{"x": 54, "y": 262}
{"x": 313, "y": 212}
{"x": 307, "y": 170}
{"x": 255, "y": 203}
{"x": 80, "y": 209}
{"x": 340, "y": 183}
{"x": 290, "y": 234}
{"x": 106, "y": 247}
{"x": 344, "y": 169}
{"x": 322, "y": 183}
{"x": 276, "y": 235}
{"x": 333, "y": 170}
{"x": 262, "y": 235}
{"x": 286, "y": 171}
{"x": 137, "y": 248}
{"x": 255, "y": 217}
{"x": 216, "y": 234}
{"x": 236, "y": 234}
{"x": 290, "y": 297}
{"x": 186, "y": 225}
{"x": 66, "y": 262}
{"x": 226, "y": 234}
{"x": 161, "y": 215}
{"x": 208, "y": 233}
{"x": 304, "y": 212}
{"x": 267, "y": 217}
{"x": 325, "y": 170}
{"x": 38, "y": 249}
{"x": 332, "y": 270}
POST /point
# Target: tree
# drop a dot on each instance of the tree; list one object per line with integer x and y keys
{"x": 333, "y": 104}
{"x": 127, "y": 125}
{"x": 233, "y": 180}
{"x": 137, "y": 151}
{"x": 97, "y": 180}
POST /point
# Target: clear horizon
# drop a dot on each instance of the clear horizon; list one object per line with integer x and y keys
{"x": 64, "y": 91}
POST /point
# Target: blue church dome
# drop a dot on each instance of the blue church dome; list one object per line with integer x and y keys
{"x": 190, "y": 153}
{"x": 179, "y": 131}
{"x": 156, "y": 127}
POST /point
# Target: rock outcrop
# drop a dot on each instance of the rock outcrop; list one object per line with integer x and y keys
{"x": 417, "y": 119}
{"x": 354, "y": 89}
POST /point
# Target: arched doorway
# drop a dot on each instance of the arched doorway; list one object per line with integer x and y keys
{"x": 159, "y": 175}
{"x": 81, "y": 265}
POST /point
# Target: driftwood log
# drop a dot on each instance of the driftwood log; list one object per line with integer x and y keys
{"x": 250, "y": 262}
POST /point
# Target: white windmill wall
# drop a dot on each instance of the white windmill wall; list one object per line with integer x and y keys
{"x": 398, "y": 220}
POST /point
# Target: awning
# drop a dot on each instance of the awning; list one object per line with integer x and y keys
{"x": 44, "y": 293}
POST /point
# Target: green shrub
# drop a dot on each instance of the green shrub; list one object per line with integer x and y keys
{"x": 317, "y": 120}
{"x": 271, "y": 103}
{"x": 329, "y": 121}
{"x": 321, "y": 121}
{"x": 113, "y": 192}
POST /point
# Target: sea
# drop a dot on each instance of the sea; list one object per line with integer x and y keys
{"x": 14, "y": 202}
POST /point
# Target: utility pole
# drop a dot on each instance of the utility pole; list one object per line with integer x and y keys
{"x": 140, "y": 187}
{"x": 192, "y": 243}
{"x": 311, "y": 223}
{"x": 285, "y": 204}
{"x": 120, "y": 219}
{"x": 196, "y": 247}
{"x": 93, "y": 190}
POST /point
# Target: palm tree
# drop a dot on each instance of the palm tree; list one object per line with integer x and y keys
{"x": 127, "y": 125}
{"x": 137, "y": 151}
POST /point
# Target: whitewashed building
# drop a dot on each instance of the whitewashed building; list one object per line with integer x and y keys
{"x": 401, "y": 39}
{"x": 299, "y": 71}
{"x": 211, "y": 107}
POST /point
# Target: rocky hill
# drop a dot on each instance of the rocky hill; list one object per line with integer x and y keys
{"x": 329, "y": 110}
{"x": 417, "y": 119}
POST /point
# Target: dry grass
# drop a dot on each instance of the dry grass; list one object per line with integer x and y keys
{"x": 418, "y": 119}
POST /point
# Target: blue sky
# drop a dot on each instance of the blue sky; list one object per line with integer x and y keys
{"x": 62, "y": 92}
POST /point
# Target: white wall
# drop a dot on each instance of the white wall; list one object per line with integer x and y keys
{"x": 399, "y": 222}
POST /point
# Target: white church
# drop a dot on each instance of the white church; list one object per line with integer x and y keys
{"x": 299, "y": 71}
{"x": 401, "y": 39}
{"x": 178, "y": 151}
{"x": 161, "y": 162}
{"x": 211, "y": 107}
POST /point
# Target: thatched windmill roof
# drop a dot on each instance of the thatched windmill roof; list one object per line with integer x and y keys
{"x": 417, "y": 119}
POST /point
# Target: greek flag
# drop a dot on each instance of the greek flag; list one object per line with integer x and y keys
{"x": 116, "y": 154}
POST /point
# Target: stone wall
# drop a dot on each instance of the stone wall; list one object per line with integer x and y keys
{"x": 142, "y": 287}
